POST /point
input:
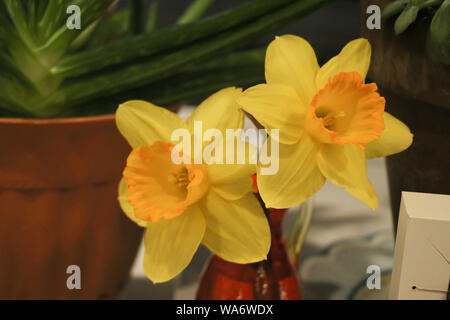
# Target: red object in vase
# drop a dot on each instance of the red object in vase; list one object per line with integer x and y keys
{"x": 271, "y": 279}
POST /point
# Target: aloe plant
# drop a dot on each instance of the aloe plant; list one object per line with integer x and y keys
{"x": 49, "y": 70}
{"x": 407, "y": 12}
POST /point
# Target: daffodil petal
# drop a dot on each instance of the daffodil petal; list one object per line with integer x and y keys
{"x": 232, "y": 181}
{"x": 143, "y": 123}
{"x": 237, "y": 231}
{"x": 275, "y": 106}
{"x": 290, "y": 60}
{"x": 235, "y": 190}
{"x": 395, "y": 138}
{"x": 126, "y": 207}
{"x": 219, "y": 111}
{"x": 355, "y": 56}
{"x": 345, "y": 166}
{"x": 298, "y": 176}
{"x": 171, "y": 244}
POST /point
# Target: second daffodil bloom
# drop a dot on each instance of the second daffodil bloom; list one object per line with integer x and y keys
{"x": 330, "y": 121}
{"x": 183, "y": 205}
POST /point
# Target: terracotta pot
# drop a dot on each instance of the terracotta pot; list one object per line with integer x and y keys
{"x": 417, "y": 91}
{"x": 58, "y": 207}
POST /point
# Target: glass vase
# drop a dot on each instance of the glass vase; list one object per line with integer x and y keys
{"x": 271, "y": 279}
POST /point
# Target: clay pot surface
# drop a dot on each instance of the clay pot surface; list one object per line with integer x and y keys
{"x": 58, "y": 207}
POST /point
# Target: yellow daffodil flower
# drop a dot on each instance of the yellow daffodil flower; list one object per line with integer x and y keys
{"x": 183, "y": 205}
{"x": 330, "y": 121}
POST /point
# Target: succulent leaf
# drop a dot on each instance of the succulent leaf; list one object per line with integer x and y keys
{"x": 393, "y": 9}
{"x": 406, "y": 18}
{"x": 438, "y": 42}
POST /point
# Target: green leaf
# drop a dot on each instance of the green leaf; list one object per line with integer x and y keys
{"x": 417, "y": 3}
{"x": 41, "y": 7}
{"x": 184, "y": 86}
{"x": 152, "y": 17}
{"x": 144, "y": 45}
{"x": 438, "y": 42}
{"x": 31, "y": 6}
{"x": 58, "y": 43}
{"x": 195, "y": 10}
{"x": 112, "y": 27}
{"x": 51, "y": 19}
{"x": 393, "y": 9}
{"x": 253, "y": 57}
{"x": 17, "y": 14}
{"x": 431, "y": 3}
{"x": 406, "y": 18}
{"x": 7, "y": 65}
{"x": 12, "y": 88}
{"x": 167, "y": 64}
{"x": 10, "y": 109}
{"x": 85, "y": 36}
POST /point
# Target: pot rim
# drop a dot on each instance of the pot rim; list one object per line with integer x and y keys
{"x": 58, "y": 121}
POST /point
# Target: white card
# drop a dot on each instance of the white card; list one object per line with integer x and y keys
{"x": 422, "y": 250}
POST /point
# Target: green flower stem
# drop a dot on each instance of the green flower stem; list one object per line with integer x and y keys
{"x": 299, "y": 229}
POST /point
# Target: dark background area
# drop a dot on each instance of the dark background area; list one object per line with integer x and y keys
{"x": 328, "y": 29}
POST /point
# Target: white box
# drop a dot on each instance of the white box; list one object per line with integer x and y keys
{"x": 421, "y": 267}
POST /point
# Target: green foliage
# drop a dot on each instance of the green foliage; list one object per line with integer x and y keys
{"x": 407, "y": 12}
{"x": 48, "y": 70}
{"x": 408, "y": 16}
{"x": 438, "y": 42}
{"x": 394, "y": 8}
{"x": 152, "y": 17}
{"x": 195, "y": 11}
